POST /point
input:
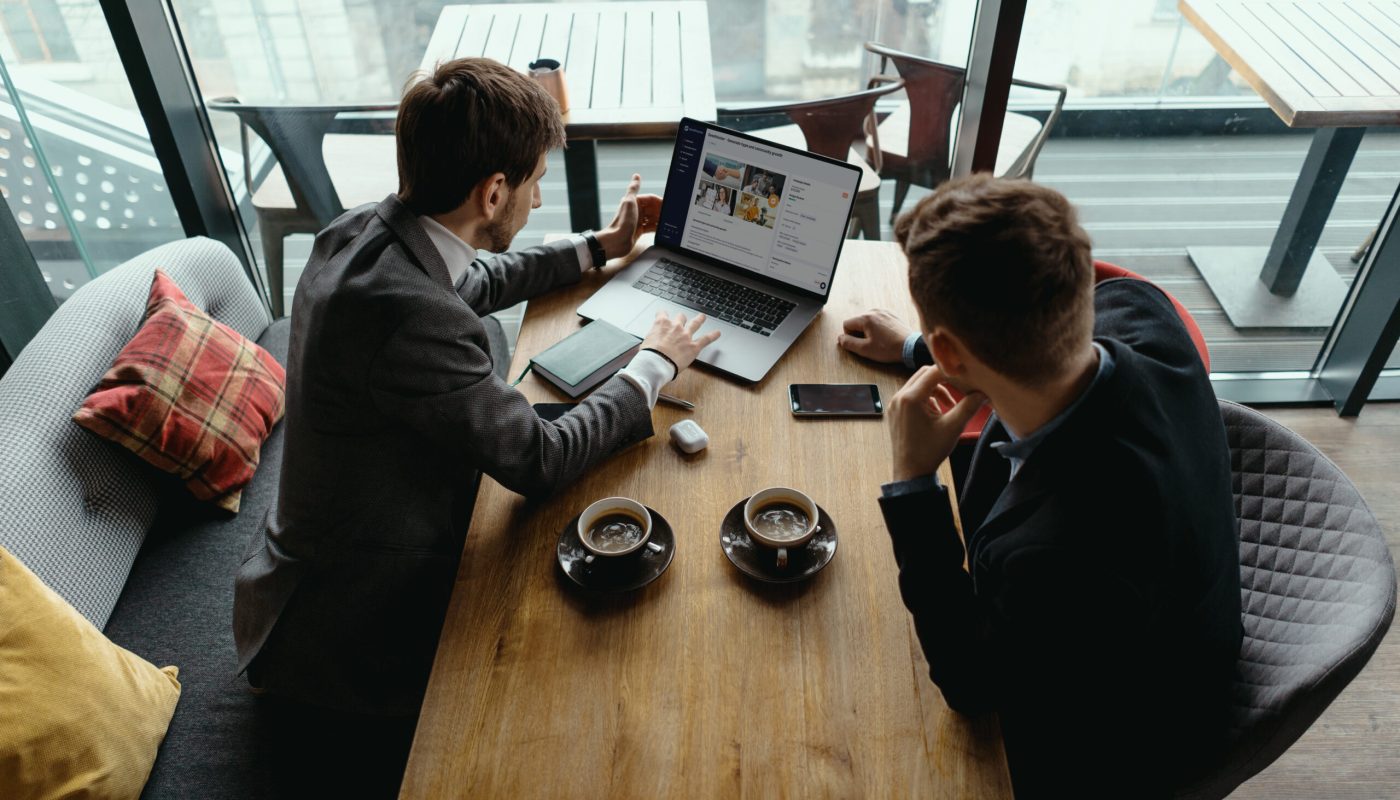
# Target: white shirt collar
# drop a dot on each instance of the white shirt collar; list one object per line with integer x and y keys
{"x": 458, "y": 254}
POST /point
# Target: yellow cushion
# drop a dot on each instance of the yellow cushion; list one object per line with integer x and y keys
{"x": 79, "y": 716}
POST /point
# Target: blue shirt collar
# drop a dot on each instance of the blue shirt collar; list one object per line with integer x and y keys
{"x": 1019, "y": 449}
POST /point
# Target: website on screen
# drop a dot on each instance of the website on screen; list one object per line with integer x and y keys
{"x": 773, "y": 212}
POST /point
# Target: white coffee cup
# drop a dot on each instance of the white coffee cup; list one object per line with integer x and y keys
{"x": 772, "y": 496}
{"x": 608, "y": 506}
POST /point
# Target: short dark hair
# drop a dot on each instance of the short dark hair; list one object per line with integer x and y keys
{"x": 471, "y": 118}
{"x": 1005, "y": 266}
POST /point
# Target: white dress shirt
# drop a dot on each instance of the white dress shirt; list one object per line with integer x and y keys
{"x": 647, "y": 371}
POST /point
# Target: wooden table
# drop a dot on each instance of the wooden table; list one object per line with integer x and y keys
{"x": 704, "y": 684}
{"x": 1333, "y": 65}
{"x": 633, "y": 70}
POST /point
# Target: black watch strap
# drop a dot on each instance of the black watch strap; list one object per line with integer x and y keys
{"x": 600, "y": 256}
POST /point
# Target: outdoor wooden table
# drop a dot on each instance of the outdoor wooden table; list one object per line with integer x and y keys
{"x": 1333, "y": 65}
{"x": 705, "y": 683}
{"x": 632, "y": 70}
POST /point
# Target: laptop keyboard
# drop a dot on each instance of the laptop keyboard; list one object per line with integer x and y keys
{"x": 732, "y": 302}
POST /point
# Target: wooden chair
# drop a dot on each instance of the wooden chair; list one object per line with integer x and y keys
{"x": 829, "y": 127}
{"x": 329, "y": 158}
{"x": 915, "y": 142}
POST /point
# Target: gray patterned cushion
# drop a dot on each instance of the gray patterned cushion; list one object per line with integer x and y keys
{"x": 1317, "y": 585}
{"x": 75, "y": 508}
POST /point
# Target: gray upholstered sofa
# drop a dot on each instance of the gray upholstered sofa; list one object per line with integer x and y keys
{"x": 138, "y": 556}
{"x": 123, "y": 542}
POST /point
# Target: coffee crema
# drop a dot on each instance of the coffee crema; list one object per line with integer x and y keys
{"x": 781, "y": 521}
{"x": 615, "y": 532}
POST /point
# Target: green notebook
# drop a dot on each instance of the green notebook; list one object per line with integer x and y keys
{"x": 586, "y": 358}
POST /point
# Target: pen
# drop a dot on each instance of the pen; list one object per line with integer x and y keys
{"x": 675, "y": 401}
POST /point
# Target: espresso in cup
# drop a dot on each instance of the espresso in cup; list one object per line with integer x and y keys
{"x": 614, "y": 526}
{"x": 617, "y": 532}
{"x": 782, "y": 519}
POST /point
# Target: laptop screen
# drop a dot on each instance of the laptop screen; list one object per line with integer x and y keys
{"x": 764, "y": 208}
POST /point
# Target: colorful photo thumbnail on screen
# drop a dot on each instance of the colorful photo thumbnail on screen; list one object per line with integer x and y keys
{"x": 713, "y": 197}
{"x": 724, "y": 171}
{"x": 764, "y": 183}
{"x": 756, "y": 209}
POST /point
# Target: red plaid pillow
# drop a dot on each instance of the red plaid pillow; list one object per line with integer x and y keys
{"x": 191, "y": 396}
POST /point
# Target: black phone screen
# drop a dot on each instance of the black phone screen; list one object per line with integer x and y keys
{"x": 848, "y": 399}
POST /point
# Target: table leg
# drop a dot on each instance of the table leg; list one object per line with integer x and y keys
{"x": 581, "y": 177}
{"x": 1297, "y": 288}
{"x": 1325, "y": 168}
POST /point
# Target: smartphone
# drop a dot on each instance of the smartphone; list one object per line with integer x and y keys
{"x": 552, "y": 411}
{"x": 835, "y": 400}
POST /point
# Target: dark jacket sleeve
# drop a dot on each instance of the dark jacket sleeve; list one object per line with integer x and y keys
{"x": 938, "y": 593}
{"x": 500, "y": 280}
{"x": 437, "y": 380}
{"x": 1046, "y": 625}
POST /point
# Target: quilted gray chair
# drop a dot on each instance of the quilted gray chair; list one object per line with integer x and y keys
{"x": 1317, "y": 585}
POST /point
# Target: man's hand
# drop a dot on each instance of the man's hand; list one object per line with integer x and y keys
{"x": 676, "y": 338}
{"x": 922, "y": 434}
{"x": 877, "y": 335}
{"x": 636, "y": 214}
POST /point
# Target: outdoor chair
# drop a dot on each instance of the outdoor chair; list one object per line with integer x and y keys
{"x": 329, "y": 158}
{"x": 915, "y": 141}
{"x": 829, "y": 127}
{"x": 1317, "y": 587}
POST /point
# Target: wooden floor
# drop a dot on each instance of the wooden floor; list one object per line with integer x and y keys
{"x": 1144, "y": 202}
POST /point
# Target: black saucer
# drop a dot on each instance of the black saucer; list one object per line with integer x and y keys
{"x": 617, "y": 573}
{"x": 761, "y": 562}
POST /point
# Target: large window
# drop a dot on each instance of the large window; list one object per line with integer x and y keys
{"x": 76, "y": 165}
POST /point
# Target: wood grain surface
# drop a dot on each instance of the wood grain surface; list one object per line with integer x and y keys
{"x": 704, "y": 684}
{"x": 632, "y": 69}
{"x": 1318, "y": 63}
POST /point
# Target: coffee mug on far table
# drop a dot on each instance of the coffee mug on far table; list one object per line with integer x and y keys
{"x": 550, "y": 74}
{"x": 782, "y": 519}
{"x": 613, "y": 527}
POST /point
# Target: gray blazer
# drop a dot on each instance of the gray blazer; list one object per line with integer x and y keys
{"x": 393, "y": 410}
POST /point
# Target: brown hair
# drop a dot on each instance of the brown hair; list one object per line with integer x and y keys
{"x": 1005, "y": 266}
{"x": 472, "y": 118}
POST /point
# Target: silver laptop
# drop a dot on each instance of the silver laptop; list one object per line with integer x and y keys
{"x": 750, "y": 233}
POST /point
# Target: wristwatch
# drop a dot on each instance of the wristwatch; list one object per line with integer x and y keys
{"x": 600, "y": 256}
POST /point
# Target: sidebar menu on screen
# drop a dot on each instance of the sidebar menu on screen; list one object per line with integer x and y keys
{"x": 690, "y": 141}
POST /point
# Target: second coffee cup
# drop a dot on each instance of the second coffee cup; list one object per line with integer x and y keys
{"x": 781, "y": 519}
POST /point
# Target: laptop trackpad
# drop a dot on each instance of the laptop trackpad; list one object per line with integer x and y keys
{"x": 641, "y": 324}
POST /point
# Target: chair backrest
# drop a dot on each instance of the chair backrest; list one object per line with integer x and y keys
{"x": 1317, "y": 585}
{"x": 295, "y": 135}
{"x": 934, "y": 91}
{"x": 73, "y": 507}
{"x": 829, "y": 125}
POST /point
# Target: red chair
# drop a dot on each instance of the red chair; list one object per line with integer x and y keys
{"x": 1102, "y": 271}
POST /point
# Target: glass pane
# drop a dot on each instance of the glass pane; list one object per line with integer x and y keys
{"x": 355, "y": 52}
{"x": 1165, "y": 149}
{"x": 76, "y": 164}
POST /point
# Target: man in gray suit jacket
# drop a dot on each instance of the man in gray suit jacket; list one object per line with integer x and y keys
{"x": 394, "y": 406}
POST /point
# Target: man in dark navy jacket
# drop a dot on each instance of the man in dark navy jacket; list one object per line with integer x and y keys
{"x": 1099, "y": 611}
